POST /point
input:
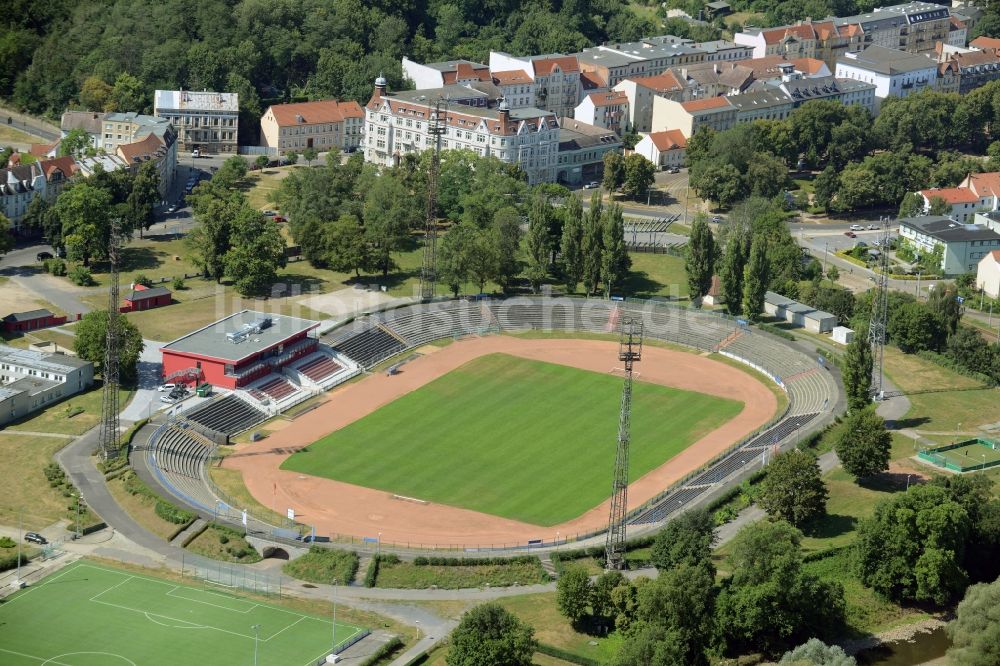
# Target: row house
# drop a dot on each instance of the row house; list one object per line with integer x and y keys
{"x": 654, "y": 55}
{"x": 440, "y": 74}
{"x": 715, "y": 79}
{"x": 516, "y": 88}
{"x": 556, "y": 78}
{"x": 721, "y": 50}
{"x": 974, "y": 69}
{"x": 400, "y": 123}
{"x": 666, "y": 149}
{"x": 962, "y": 202}
{"x": 582, "y": 148}
{"x": 19, "y": 184}
{"x": 716, "y": 113}
{"x": 773, "y": 67}
{"x": 207, "y": 121}
{"x": 640, "y": 91}
{"x": 607, "y": 110}
{"x": 161, "y": 149}
{"x": 962, "y": 245}
{"x": 894, "y": 73}
{"x": 321, "y": 125}
{"x": 844, "y": 91}
{"x": 763, "y": 104}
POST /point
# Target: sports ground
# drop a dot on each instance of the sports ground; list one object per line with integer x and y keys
{"x": 470, "y": 458}
{"x": 90, "y": 615}
{"x": 513, "y": 437}
{"x": 971, "y": 456}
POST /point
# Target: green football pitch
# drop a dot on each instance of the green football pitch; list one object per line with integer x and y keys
{"x": 971, "y": 456}
{"x": 89, "y": 615}
{"x": 512, "y": 437}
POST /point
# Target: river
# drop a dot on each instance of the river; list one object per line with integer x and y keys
{"x": 924, "y": 647}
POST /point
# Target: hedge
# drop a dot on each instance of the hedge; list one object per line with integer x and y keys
{"x": 422, "y": 561}
{"x": 780, "y": 332}
{"x": 171, "y": 513}
{"x": 383, "y": 652}
{"x": 598, "y": 551}
{"x": 565, "y": 655}
{"x": 372, "y": 574}
{"x": 10, "y": 561}
{"x": 947, "y": 362}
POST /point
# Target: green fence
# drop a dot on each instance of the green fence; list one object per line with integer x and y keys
{"x": 976, "y": 461}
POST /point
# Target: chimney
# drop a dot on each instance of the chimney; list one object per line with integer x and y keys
{"x": 504, "y": 115}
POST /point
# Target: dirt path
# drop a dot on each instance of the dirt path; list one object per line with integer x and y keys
{"x": 341, "y": 508}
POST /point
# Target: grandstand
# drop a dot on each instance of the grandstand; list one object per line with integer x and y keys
{"x": 812, "y": 392}
{"x": 229, "y": 414}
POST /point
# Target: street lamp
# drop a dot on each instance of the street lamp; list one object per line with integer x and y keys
{"x": 908, "y": 481}
{"x": 256, "y": 641}
{"x": 334, "y": 647}
{"x": 378, "y": 545}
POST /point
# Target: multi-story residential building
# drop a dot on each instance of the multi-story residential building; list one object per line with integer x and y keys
{"x": 763, "y": 104}
{"x": 770, "y": 68}
{"x": 986, "y": 188}
{"x": 88, "y": 166}
{"x": 19, "y": 184}
{"x": 894, "y": 73}
{"x": 581, "y": 151}
{"x": 321, "y": 125}
{"x": 962, "y": 245}
{"x": 985, "y": 43}
{"x": 440, "y": 74}
{"x": 712, "y": 79}
{"x": 722, "y": 51}
{"x": 641, "y": 90}
{"x": 207, "y": 121}
{"x": 396, "y": 124}
{"x": 988, "y": 274}
{"x": 556, "y": 77}
{"x": 975, "y": 69}
{"x": 153, "y": 149}
{"x": 688, "y": 117}
{"x": 958, "y": 31}
{"x": 665, "y": 149}
{"x": 651, "y": 56}
{"x": 31, "y": 380}
{"x": 913, "y": 27}
{"x": 845, "y": 91}
{"x": 607, "y": 110}
{"x": 962, "y": 201}
{"x": 516, "y": 87}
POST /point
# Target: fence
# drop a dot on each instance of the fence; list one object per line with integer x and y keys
{"x": 258, "y": 150}
{"x": 935, "y": 456}
{"x": 234, "y": 577}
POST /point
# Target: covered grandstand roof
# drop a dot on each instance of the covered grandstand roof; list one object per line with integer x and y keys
{"x": 213, "y": 341}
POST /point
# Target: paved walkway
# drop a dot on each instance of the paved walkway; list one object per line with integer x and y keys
{"x": 35, "y": 433}
{"x": 42, "y": 129}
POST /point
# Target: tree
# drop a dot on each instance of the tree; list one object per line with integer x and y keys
{"x": 143, "y": 196}
{"x": 863, "y": 444}
{"x": 825, "y": 188}
{"x": 639, "y": 176}
{"x": 490, "y": 634}
{"x": 767, "y": 175}
{"x": 682, "y": 600}
{"x": 943, "y": 302}
{"x": 719, "y": 181}
{"x": 261, "y": 162}
{"x": 453, "y": 256}
{"x": 615, "y": 261}
{"x": 95, "y": 94}
{"x": 793, "y": 488}
{"x": 687, "y": 539}
{"x": 572, "y": 243}
{"x": 91, "y": 339}
{"x": 85, "y": 227}
{"x": 601, "y": 600}
{"x": 258, "y": 250}
{"x": 76, "y": 143}
{"x": 538, "y": 241}
{"x": 912, "y": 205}
{"x": 6, "y": 234}
{"x": 347, "y": 249}
{"x": 309, "y": 154}
{"x": 573, "y": 593}
{"x": 128, "y": 95}
{"x": 938, "y": 206}
{"x": 734, "y": 261}
{"x": 699, "y": 259}
{"x": 292, "y": 157}
{"x": 593, "y": 244}
{"x": 651, "y": 645}
{"x": 815, "y": 652}
{"x": 614, "y": 171}
{"x": 857, "y": 374}
{"x": 770, "y": 603}
{"x": 755, "y": 278}
{"x": 915, "y": 328}
{"x": 975, "y": 631}
{"x": 210, "y": 239}
{"x": 389, "y": 214}
{"x": 37, "y": 216}
{"x": 910, "y": 549}
{"x": 507, "y": 241}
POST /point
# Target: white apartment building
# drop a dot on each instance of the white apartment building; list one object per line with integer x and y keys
{"x": 664, "y": 149}
{"x": 19, "y": 184}
{"x": 31, "y": 380}
{"x": 556, "y": 79}
{"x": 894, "y": 73}
{"x": 846, "y": 91}
{"x": 962, "y": 245}
{"x": 762, "y": 104}
{"x": 641, "y": 90}
{"x": 617, "y": 61}
{"x": 516, "y": 88}
{"x": 321, "y": 125}
{"x": 439, "y": 74}
{"x": 397, "y": 124}
{"x": 204, "y": 120}
{"x": 607, "y": 110}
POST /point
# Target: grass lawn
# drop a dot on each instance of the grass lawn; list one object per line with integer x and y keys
{"x": 971, "y": 456}
{"x": 656, "y": 275}
{"x": 99, "y": 610}
{"x": 73, "y": 416}
{"x": 848, "y": 503}
{"x": 11, "y": 135}
{"x": 521, "y": 439}
{"x": 410, "y": 576}
{"x": 222, "y": 543}
{"x": 231, "y": 483}
{"x": 141, "y": 507}
{"x": 322, "y": 565}
{"x": 25, "y": 486}
{"x": 541, "y": 612}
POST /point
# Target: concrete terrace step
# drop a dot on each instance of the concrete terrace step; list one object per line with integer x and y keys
{"x": 549, "y": 567}
{"x": 193, "y": 528}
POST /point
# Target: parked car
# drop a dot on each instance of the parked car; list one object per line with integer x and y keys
{"x": 872, "y": 227}
{"x": 280, "y": 218}
{"x": 169, "y": 399}
{"x": 167, "y": 387}
{"x": 35, "y": 537}
{"x": 592, "y": 185}
{"x": 172, "y": 208}
{"x": 857, "y": 227}
{"x": 850, "y": 234}
{"x": 673, "y": 169}
{"x": 43, "y": 256}
{"x": 269, "y": 213}
{"x": 717, "y": 219}
{"x": 195, "y": 153}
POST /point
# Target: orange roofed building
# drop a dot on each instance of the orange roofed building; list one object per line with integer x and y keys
{"x": 688, "y": 117}
{"x": 321, "y": 125}
{"x": 665, "y": 149}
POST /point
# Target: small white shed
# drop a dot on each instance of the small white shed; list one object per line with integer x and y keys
{"x": 843, "y": 335}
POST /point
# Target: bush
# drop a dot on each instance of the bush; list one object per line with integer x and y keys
{"x": 143, "y": 280}
{"x": 55, "y": 267}
{"x": 81, "y": 276}
{"x": 565, "y": 655}
{"x": 372, "y": 574}
{"x": 171, "y": 513}
{"x": 7, "y": 542}
{"x": 780, "y": 332}
{"x": 178, "y": 284}
{"x": 384, "y": 651}
{"x": 324, "y": 565}
{"x": 10, "y": 561}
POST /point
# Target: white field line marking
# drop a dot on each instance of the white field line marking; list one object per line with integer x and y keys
{"x": 172, "y": 619}
{"x": 312, "y": 662}
{"x": 35, "y": 587}
{"x": 209, "y": 603}
{"x": 174, "y": 626}
{"x": 119, "y": 584}
{"x": 287, "y": 627}
{"x": 31, "y": 656}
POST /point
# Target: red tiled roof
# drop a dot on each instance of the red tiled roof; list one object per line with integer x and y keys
{"x": 985, "y": 184}
{"x": 665, "y": 82}
{"x": 147, "y": 146}
{"x": 974, "y": 58}
{"x": 42, "y": 149}
{"x": 951, "y": 195}
{"x": 315, "y": 113}
{"x": 706, "y": 104}
{"x": 668, "y": 140}
{"x": 957, "y": 24}
{"x": 804, "y": 31}
{"x": 611, "y": 98}
{"x": 591, "y": 80}
{"x": 65, "y": 164}
{"x": 567, "y": 64}
{"x": 996, "y": 255}
{"x": 767, "y": 67}
{"x": 511, "y": 77}
{"x": 985, "y": 43}
{"x": 464, "y": 71}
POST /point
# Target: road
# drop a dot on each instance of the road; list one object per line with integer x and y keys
{"x": 42, "y": 129}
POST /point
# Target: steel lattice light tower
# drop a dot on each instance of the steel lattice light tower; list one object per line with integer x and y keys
{"x": 110, "y": 432}
{"x": 880, "y": 314}
{"x": 436, "y": 128}
{"x": 629, "y": 352}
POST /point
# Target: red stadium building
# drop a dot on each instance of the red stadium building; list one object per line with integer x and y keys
{"x": 239, "y": 349}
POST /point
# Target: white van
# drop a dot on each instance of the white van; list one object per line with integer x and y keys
{"x": 196, "y": 153}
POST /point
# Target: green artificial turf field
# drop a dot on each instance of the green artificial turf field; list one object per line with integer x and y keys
{"x": 972, "y": 456}
{"x": 89, "y": 615}
{"x": 512, "y": 437}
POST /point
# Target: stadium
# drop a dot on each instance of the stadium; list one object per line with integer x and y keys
{"x": 492, "y": 424}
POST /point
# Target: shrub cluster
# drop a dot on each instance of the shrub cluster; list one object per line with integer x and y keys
{"x": 472, "y": 561}
{"x": 383, "y": 652}
{"x": 55, "y": 267}
{"x": 81, "y": 276}
{"x": 372, "y": 574}
{"x": 7, "y": 542}
{"x": 172, "y": 514}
